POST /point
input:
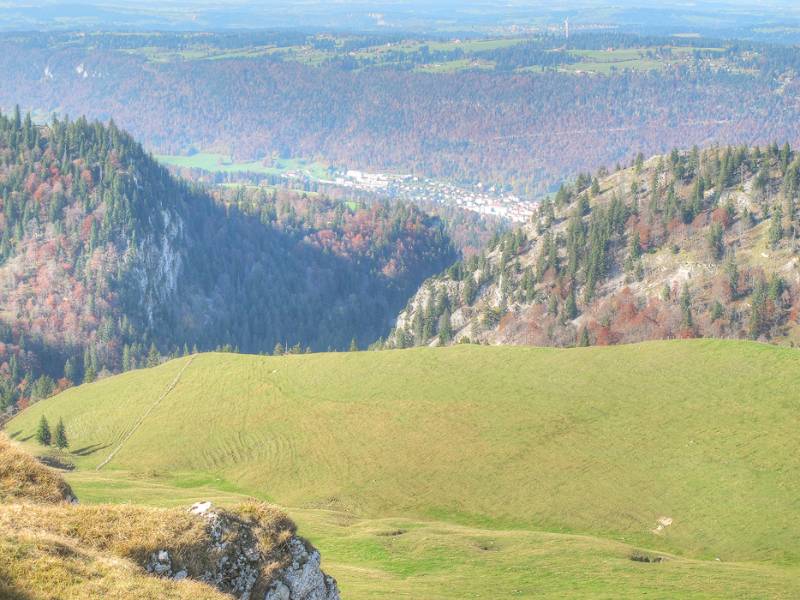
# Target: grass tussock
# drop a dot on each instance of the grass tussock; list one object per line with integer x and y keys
{"x": 272, "y": 530}
{"x": 34, "y": 566}
{"x": 25, "y": 479}
{"x": 135, "y": 532}
{"x": 126, "y": 531}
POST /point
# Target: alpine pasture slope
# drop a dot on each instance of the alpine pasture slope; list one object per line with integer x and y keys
{"x": 542, "y": 469}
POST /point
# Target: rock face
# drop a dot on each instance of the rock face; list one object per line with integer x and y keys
{"x": 237, "y": 563}
{"x": 303, "y": 579}
{"x": 236, "y": 558}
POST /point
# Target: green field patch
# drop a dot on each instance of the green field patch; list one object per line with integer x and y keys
{"x": 396, "y": 557}
{"x": 453, "y": 66}
{"x": 220, "y": 163}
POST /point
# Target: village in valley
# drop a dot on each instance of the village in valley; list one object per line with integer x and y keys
{"x": 479, "y": 198}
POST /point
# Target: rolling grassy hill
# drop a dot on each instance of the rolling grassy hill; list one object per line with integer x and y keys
{"x": 533, "y": 471}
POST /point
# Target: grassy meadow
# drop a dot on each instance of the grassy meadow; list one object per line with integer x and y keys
{"x": 219, "y": 163}
{"x": 476, "y": 471}
{"x": 604, "y": 62}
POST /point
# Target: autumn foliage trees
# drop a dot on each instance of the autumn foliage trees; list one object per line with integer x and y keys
{"x": 107, "y": 261}
{"x": 521, "y": 129}
{"x": 686, "y": 245}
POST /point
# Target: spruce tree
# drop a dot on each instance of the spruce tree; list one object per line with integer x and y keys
{"x": 89, "y": 372}
{"x": 70, "y": 370}
{"x": 716, "y": 241}
{"x": 126, "y": 358}
{"x": 153, "y": 358}
{"x": 43, "y": 435}
{"x": 445, "y": 328}
{"x": 635, "y": 249}
{"x": 570, "y": 307}
{"x": 468, "y": 291}
{"x": 775, "y": 232}
{"x": 61, "y": 435}
{"x": 686, "y": 306}
{"x": 717, "y": 310}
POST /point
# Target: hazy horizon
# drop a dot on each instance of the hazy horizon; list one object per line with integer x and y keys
{"x": 722, "y": 17}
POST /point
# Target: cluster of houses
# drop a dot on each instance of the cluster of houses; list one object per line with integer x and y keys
{"x": 479, "y": 198}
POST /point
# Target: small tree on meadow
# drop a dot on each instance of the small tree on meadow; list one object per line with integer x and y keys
{"x": 61, "y": 435}
{"x": 43, "y": 435}
{"x": 153, "y": 357}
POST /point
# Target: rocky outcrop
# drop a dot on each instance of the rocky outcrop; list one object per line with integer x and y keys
{"x": 303, "y": 578}
{"x": 241, "y": 564}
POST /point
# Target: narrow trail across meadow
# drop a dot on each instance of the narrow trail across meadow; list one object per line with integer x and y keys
{"x": 138, "y": 423}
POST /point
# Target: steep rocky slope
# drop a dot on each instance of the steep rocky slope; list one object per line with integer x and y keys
{"x": 684, "y": 245}
{"x": 107, "y": 261}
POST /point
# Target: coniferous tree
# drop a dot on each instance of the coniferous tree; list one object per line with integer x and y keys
{"x": 445, "y": 328}
{"x": 468, "y": 290}
{"x": 715, "y": 239}
{"x": 732, "y": 274}
{"x": 153, "y": 357}
{"x": 43, "y": 435}
{"x": 758, "y": 309}
{"x": 775, "y": 232}
{"x": 635, "y": 250}
{"x": 686, "y": 306}
{"x": 89, "y": 373}
{"x": 570, "y": 306}
{"x": 70, "y": 370}
{"x": 61, "y": 435}
{"x": 717, "y": 310}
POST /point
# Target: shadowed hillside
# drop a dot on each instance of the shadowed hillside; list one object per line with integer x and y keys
{"x": 107, "y": 261}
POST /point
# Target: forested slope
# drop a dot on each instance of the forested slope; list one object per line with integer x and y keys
{"x": 692, "y": 244}
{"x": 508, "y": 124}
{"x": 105, "y": 257}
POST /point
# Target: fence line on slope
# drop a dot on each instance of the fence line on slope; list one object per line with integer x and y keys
{"x": 138, "y": 423}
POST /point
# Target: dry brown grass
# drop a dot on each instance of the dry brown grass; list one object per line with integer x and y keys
{"x": 272, "y": 529}
{"x": 50, "y": 548}
{"x": 126, "y": 531}
{"x": 34, "y": 566}
{"x": 25, "y": 479}
{"x": 134, "y": 532}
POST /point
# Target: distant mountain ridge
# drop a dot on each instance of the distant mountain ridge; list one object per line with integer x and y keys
{"x": 685, "y": 245}
{"x": 525, "y": 129}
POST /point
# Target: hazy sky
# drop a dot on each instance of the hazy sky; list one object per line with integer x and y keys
{"x": 706, "y": 15}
